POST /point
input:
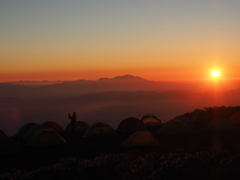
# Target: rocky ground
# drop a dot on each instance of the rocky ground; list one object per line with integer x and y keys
{"x": 204, "y": 155}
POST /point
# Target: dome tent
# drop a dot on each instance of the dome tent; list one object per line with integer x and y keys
{"x": 186, "y": 120}
{"x": 140, "y": 139}
{"x": 219, "y": 124}
{"x": 235, "y": 118}
{"x": 151, "y": 121}
{"x": 131, "y": 125}
{"x": 24, "y": 129}
{"x": 175, "y": 128}
{"x": 7, "y": 145}
{"x": 152, "y": 118}
{"x": 32, "y": 130}
{"x": 100, "y": 129}
{"x": 46, "y": 137}
{"x": 2, "y": 131}
{"x": 80, "y": 127}
{"x": 201, "y": 118}
{"x": 55, "y": 126}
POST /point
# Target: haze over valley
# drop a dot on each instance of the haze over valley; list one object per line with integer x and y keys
{"x": 108, "y": 100}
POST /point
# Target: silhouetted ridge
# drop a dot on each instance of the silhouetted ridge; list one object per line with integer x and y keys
{"x": 100, "y": 79}
{"x": 127, "y": 76}
{"x": 124, "y": 77}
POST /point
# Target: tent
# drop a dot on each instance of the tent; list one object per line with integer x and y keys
{"x": 219, "y": 124}
{"x": 80, "y": 127}
{"x": 186, "y": 120}
{"x": 131, "y": 125}
{"x": 146, "y": 116}
{"x": 235, "y": 118}
{"x": 100, "y": 129}
{"x": 55, "y": 126}
{"x": 46, "y": 137}
{"x": 174, "y": 128}
{"x": 140, "y": 139}
{"x": 201, "y": 118}
{"x": 21, "y": 132}
{"x": 31, "y": 131}
{"x": 2, "y": 131}
{"x": 7, "y": 145}
{"x": 151, "y": 121}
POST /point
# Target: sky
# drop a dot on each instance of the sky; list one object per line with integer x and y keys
{"x": 157, "y": 40}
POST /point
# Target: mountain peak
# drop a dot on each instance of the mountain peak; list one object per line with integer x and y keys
{"x": 127, "y": 76}
{"x": 124, "y": 77}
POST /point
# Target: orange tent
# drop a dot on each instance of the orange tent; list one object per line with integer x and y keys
{"x": 140, "y": 139}
{"x": 53, "y": 125}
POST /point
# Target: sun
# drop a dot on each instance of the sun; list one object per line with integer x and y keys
{"x": 215, "y": 73}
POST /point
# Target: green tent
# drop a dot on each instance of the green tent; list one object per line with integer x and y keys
{"x": 46, "y": 137}
{"x": 80, "y": 127}
{"x": 31, "y": 131}
{"x": 100, "y": 129}
{"x": 219, "y": 124}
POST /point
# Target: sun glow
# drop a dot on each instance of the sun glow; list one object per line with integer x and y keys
{"x": 215, "y": 73}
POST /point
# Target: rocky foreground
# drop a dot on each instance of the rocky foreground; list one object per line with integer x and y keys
{"x": 204, "y": 155}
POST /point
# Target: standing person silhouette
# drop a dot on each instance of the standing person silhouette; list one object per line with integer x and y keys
{"x": 73, "y": 122}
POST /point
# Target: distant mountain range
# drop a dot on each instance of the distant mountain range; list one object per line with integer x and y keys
{"x": 33, "y": 89}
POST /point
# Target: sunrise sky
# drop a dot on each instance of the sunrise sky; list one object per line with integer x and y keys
{"x": 90, "y": 39}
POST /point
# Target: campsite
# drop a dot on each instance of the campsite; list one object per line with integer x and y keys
{"x": 203, "y": 144}
{"x": 119, "y": 90}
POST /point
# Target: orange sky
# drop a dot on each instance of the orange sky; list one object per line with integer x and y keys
{"x": 156, "y": 74}
{"x": 177, "y": 40}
